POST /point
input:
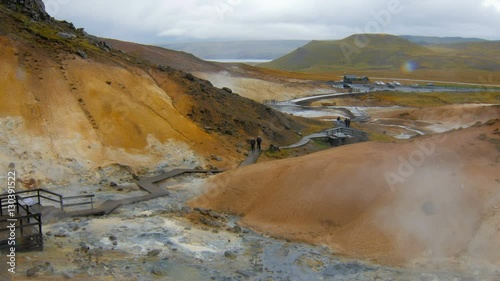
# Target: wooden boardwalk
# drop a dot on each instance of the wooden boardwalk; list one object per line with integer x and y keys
{"x": 147, "y": 184}
{"x": 338, "y": 132}
{"x": 251, "y": 158}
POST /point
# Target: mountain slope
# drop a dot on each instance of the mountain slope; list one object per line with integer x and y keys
{"x": 158, "y": 55}
{"x": 70, "y": 106}
{"x": 238, "y": 49}
{"x": 388, "y": 53}
{"x": 430, "y": 40}
{"x": 374, "y": 51}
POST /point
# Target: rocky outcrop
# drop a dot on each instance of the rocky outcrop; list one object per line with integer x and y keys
{"x": 35, "y": 9}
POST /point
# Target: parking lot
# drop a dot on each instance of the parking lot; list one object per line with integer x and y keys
{"x": 408, "y": 88}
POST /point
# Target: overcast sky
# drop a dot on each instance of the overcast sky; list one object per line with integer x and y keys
{"x": 165, "y": 21}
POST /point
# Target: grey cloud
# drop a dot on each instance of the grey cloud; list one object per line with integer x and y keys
{"x": 159, "y": 20}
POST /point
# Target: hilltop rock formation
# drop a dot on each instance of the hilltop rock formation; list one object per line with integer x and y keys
{"x": 35, "y": 9}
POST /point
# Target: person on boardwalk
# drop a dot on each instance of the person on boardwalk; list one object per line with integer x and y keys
{"x": 252, "y": 144}
{"x": 259, "y": 142}
{"x": 348, "y": 123}
{"x": 338, "y": 120}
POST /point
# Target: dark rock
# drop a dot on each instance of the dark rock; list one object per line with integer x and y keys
{"x": 230, "y": 255}
{"x": 189, "y": 77}
{"x": 108, "y": 82}
{"x": 245, "y": 274}
{"x": 237, "y": 229}
{"x": 210, "y": 222}
{"x": 201, "y": 211}
{"x": 158, "y": 271}
{"x": 273, "y": 148}
{"x": 154, "y": 253}
{"x": 227, "y": 90}
{"x": 214, "y": 215}
{"x": 163, "y": 68}
{"x": 32, "y": 271}
{"x": 113, "y": 184}
{"x": 35, "y": 9}
{"x": 107, "y": 45}
{"x": 112, "y": 238}
{"x": 216, "y": 158}
{"x": 69, "y": 24}
{"x": 82, "y": 54}
{"x": 81, "y": 31}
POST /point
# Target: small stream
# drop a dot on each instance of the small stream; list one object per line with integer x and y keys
{"x": 356, "y": 114}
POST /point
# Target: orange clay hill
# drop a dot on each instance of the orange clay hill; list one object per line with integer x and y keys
{"x": 434, "y": 198}
{"x": 72, "y": 101}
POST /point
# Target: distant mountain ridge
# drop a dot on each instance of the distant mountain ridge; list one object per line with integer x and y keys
{"x": 429, "y": 40}
{"x": 257, "y": 49}
{"x": 388, "y": 52}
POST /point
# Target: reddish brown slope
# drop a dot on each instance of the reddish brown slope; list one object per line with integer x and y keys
{"x": 444, "y": 205}
{"x": 178, "y": 60}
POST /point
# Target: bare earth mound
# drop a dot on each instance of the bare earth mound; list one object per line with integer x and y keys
{"x": 429, "y": 199}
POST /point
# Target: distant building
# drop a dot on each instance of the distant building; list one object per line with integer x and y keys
{"x": 353, "y": 79}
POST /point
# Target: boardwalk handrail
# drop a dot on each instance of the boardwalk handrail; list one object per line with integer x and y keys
{"x": 45, "y": 194}
{"x": 347, "y": 131}
{"x": 27, "y": 221}
{"x": 89, "y": 200}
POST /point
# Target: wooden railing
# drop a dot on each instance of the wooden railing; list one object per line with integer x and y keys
{"x": 81, "y": 200}
{"x": 348, "y": 131}
{"x": 27, "y": 232}
{"x": 38, "y": 196}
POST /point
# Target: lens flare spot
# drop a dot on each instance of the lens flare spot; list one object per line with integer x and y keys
{"x": 409, "y": 66}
